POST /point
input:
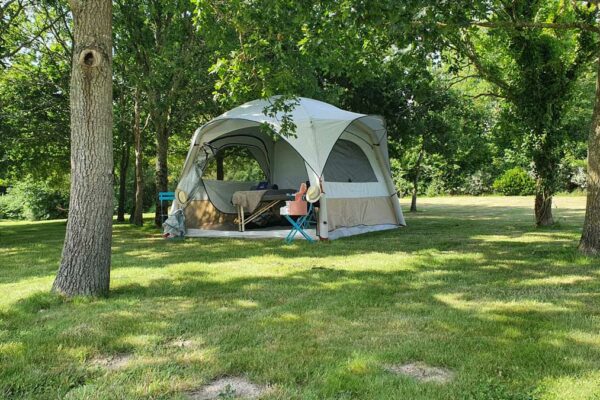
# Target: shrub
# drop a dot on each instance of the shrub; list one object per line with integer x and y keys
{"x": 10, "y": 207}
{"x": 515, "y": 182}
{"x": 436, "y": 187}
{"x": 475, "y": 184}
{"x": 576, "y": 171}
{"x": 35, "y": 201}
{"x": 578, "y": 179}
{"x": 403, "y": 185}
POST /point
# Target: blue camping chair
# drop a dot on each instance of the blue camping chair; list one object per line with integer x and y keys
{"x": 162, "y": 197}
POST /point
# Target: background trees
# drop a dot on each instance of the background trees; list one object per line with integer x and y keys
{"x": 166, "y": 58}
{"x": 535, "y": 70}
{"x": 470, "y": 90}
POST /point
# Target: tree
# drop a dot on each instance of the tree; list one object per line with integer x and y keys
{"x": 85, "y": 264}
{"x": 583, "y": 19}
{"x": 138, "y": 217}
{"x": 590, "y": 237}
{"x": 123, "y": 141}
{"x": 534, "y": 69}
{"x": 277, "y": 47}
{"x": 34, "y": 123}
{"x": 127, "y": 83}
{"x": 12, "y": 15}
{"x": 170, "y": 60}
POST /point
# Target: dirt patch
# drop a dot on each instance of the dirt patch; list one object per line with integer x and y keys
{"x": 228, "y": 388}
{"x": 422, "y": 372}
{"x": 181, "y": 343}
{"x": 113, "y": 362}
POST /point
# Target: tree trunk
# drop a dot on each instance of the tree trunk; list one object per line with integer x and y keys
{"x": 413, "y": 202}
{"x": 543, "y": 207}
{"x": 220, "y": 170}
{"x": 123, "y": 168}
{"x": 162, "y": 142}
{"x": 590, "y": 238}
{"x": 138, "y": 218}
{"x": 85, "y": 263}
{"x": 132, "y": 209}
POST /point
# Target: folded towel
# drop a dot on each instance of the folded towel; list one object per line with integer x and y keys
{"x": 249, "y": 200}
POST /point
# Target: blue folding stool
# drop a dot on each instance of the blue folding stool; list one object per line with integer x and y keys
{"x": 299, "y": 225}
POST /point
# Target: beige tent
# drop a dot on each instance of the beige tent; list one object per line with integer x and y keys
{"x": 344, "y": 153}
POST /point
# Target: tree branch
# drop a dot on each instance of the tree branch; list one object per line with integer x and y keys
{"x": 486, "y": 94}
{"x": 461, "y": 79}
{"x": 33, "y": 38}
{"x": 537, "y": 25}
{"x": 471, "y": 54}
{"x": 518, "y": 24}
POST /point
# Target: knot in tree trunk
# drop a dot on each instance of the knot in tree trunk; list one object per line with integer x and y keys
{"x": 90, "y": 58}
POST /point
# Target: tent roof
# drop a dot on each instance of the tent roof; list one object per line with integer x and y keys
{"x": 305, "y": 111}
{"x": 318, "y": 126}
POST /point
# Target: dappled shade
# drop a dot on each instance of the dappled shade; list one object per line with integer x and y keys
{"x": 470, "y": 285}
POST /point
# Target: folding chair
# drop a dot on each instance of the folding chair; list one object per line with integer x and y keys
{"x": 299, "y": 225}
{"x": 162, "y": 197}
{"x": 298, "y": 208}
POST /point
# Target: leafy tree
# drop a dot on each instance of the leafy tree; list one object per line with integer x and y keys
{"x": 257, "y": 49}
{"x": 535, "y": 70}
{"x": 590, "y": 237}
{"x": 35, "y": 200}
{"x": 313, "y": 49}
{"x": 34, "y": 121}
{"x": 24, "y": 22}
{"x": 168, "y": 65}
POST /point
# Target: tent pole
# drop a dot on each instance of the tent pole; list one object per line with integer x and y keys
{"x": 322, "y": 215}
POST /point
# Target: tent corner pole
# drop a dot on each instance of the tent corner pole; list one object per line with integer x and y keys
{"x": 322, "y": 215}
{"x": 387, "y": 173}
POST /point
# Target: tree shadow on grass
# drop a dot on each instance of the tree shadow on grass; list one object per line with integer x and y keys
{"x": 298, "y": 330}
{"x": 478, "y": 290}
{"x": 463, "y": 229}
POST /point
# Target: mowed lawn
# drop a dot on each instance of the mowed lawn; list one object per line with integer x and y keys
{"x": 470, "y": 285}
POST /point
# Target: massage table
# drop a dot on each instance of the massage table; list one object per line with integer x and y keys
{"x": 258, "y": 202}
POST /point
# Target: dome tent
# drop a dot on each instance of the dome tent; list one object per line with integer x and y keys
{"x": 344, "y": 153}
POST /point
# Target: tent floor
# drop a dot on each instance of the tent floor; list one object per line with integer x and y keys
{"x": 273, "y": 232}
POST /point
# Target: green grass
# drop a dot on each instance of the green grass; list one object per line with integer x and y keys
{"x": 469, "y": 285}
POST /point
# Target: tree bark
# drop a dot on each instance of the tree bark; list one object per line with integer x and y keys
{"x": 590, "y": 237}
{"x": 220, "y": 169}
{"x": 413, "y": 202}
{"x": 162, "y": 142}
{"x": 85, "y": 263}
{"x": 123, "y": 168}
{"x": 543, "y": 207}
{"x": 138, "y": 218}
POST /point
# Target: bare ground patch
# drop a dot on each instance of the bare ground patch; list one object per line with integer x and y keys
{"x": 113, "y": 362}
{"x": 228, "y": 388}
{"x": 422, "y": 372}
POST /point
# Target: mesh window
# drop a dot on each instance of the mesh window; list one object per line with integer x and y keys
{"x": 239, "y": 165}
{"x": 348, "y": 163}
